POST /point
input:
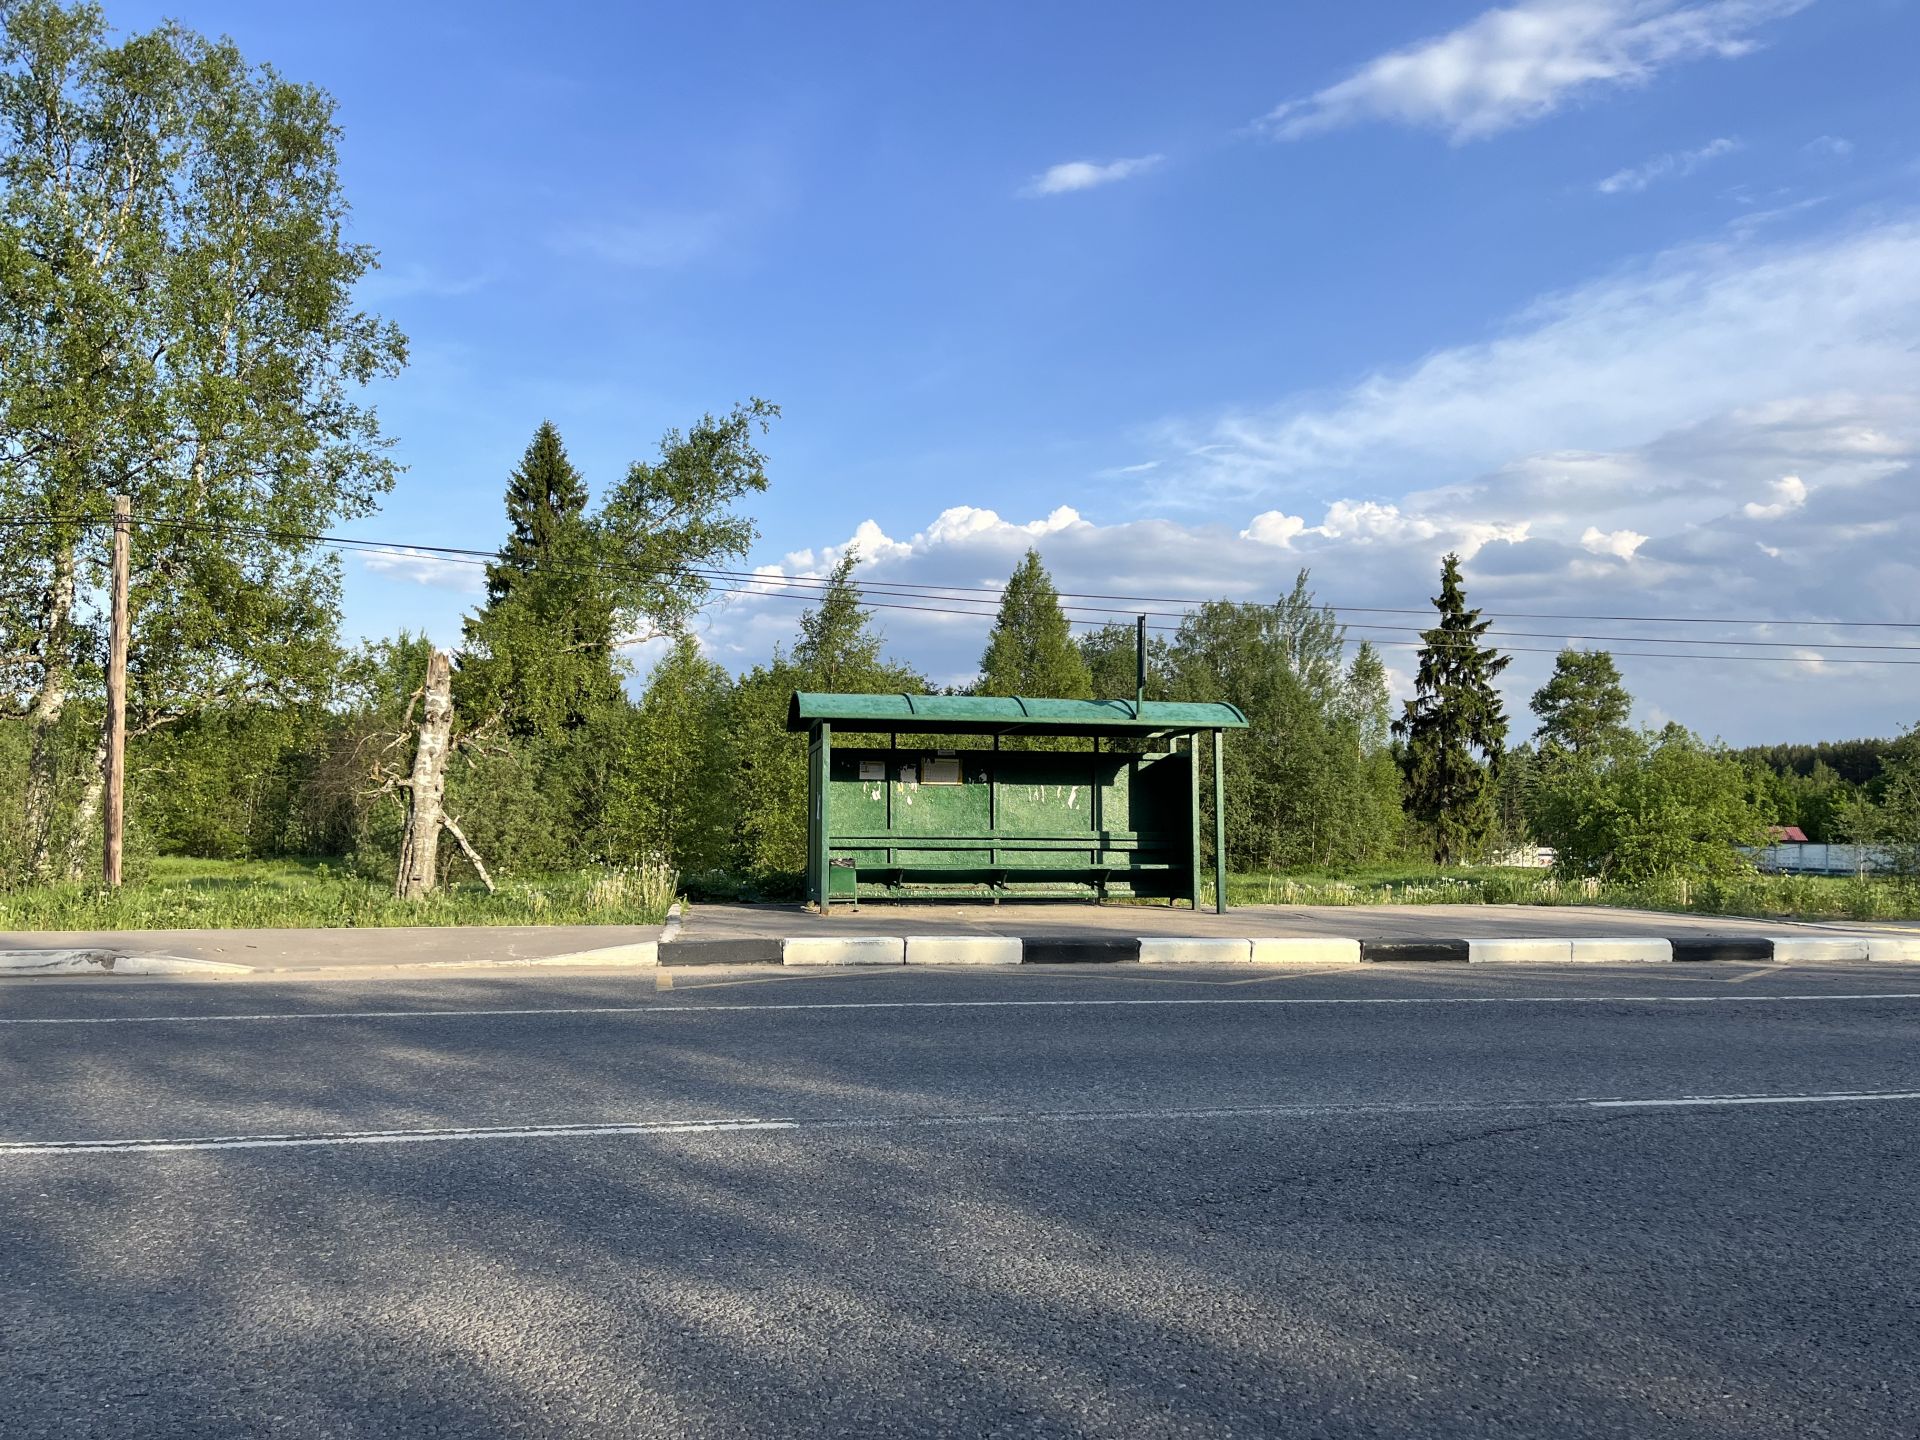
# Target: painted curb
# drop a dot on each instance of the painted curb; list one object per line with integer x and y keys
{"x": 992, "y": 950}
{"x": 1077, "y": 950}
{"x": 1635, "y": 951}
{"x": 1162, "y": 950}
{"x": 722, "y": 952}
{"x": 1790, "y": 948}
{"x": 964, "y": 950}
{"x": 644, "y": 954}
{"x": 844, "y": 950}
{"x": 1697, "y": 948}
{"x": 1419, "y": 952}
{"x": 1305, "y": 950}
{"x": 26, "y": 963}
{"x": 1497, "y": 950}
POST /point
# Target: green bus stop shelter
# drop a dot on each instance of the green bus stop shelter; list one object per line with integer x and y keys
{"x": 947, "y": 808}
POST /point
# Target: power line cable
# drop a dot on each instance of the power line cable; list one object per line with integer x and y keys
{"x": 753, "y": 584}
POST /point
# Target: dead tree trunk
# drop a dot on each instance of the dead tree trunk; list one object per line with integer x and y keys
{"x": 426, "y": 787}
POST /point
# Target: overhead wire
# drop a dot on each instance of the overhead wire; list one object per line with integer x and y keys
{"x": 940, "y": 599}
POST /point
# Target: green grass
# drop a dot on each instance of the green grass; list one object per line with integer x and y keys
{"x": 181, "y": 894}
{"x": 1800, "y": 897}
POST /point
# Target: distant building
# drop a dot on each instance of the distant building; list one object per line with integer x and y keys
{"x": 1786, "y": 835}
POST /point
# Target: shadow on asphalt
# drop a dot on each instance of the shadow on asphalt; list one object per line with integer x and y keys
{"x": 1535, "y": 1277}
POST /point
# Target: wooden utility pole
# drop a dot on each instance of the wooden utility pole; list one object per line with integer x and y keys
{"x": 116, "y": 797}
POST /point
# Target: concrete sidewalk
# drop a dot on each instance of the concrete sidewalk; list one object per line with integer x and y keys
{"x": 347, "y": 948}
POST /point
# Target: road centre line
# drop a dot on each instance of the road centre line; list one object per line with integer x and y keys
{"x": 329, "y": 1139}
{"x": 1078, "y": 1003}
{"x": 1831, "y": 1098}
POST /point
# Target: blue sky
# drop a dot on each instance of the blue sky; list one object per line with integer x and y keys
{"x": 1620, "y": 298}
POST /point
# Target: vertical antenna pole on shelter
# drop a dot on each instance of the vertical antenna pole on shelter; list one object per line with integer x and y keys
{"x": 1140, "y": 666}
{"x": 114, "y": 820}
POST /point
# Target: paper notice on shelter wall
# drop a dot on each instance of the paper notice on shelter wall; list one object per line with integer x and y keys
{"x": 909, "y": 775}
{"x": 873, "y": 769}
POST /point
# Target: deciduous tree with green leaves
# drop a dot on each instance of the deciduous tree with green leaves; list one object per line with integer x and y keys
{"x": 178, "y": 319}
{"x": 838, "y": 650}
{"x": 672, "y": 793}
{"x": 1652, "y": 805}
{"x": 1309, "y": 781}
{"x": 1111, "y": 656}
{"x": 1454, "y": 730}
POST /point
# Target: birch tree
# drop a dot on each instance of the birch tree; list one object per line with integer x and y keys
{"x": 176, "y": 309}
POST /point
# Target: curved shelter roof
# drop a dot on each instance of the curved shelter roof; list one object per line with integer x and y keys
{"x": 1008, "y": 715}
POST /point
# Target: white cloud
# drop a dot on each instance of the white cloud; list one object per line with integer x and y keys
{"x": 1086, "y": 174}
{"x": 1789, "y": 494}
{"x": 1274, "y": 527}
{"x": 1806, "y": 333}
{"x": 1670, "y": 166}
{"x": 1513, "y": 65}
{"x": 422, "y": 568}
{"x": 1829, "y": 147}
{"x": 1368, "y": 522}
{"x": 1618, "y": 543}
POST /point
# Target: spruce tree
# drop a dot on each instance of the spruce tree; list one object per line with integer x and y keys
{"x": 1031, "y": 649}
{"x": 1454, "y": 729}
{"x": 546, "y": 499}
{"x": 540, "y": 652}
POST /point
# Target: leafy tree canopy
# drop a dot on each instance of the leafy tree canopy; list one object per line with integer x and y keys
{"x": 178, "y": 319}
{"x": 1584, "y": 704}
{"x": 1662, "y": 803}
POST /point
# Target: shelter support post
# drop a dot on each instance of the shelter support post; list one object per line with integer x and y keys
{"x": 1219, "y": 828}
{"x": 1193, "y": 809}
{"x": 822, "y": 768}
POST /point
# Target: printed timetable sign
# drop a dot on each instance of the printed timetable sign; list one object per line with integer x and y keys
{"x": 937, "y": 770}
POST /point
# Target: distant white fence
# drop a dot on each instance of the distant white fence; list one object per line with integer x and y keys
{"x": 1525, "y": 857}
{"x": 1812, "y": 859}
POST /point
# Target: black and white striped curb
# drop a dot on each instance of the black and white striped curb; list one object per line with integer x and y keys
{"x": 1093, "y": 949}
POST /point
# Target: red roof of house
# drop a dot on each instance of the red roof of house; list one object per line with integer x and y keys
{"x": 1787, "y": 834}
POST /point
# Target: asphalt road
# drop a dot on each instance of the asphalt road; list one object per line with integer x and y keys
{"x": 1040, "y": 1202}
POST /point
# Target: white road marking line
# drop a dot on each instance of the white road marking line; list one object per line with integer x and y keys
{"x": 326, "y": 1139}
{"x": 1829, "y": 1098}
{"x": 1742, "y": 999}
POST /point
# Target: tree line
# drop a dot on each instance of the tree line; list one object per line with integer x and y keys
{"x": 179, "y": 319}
{"x": 556, "y": 755}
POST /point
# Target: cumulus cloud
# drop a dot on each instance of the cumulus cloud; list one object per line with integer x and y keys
{"x": 1789, "y": 493}
{"x": 1727, "y": 429}
{"x": 1671, "y": 166}
{"x": 1519, "y": 63}
{"x": 1086, "y": 174}
{"x": 1619, "y": 543}
{"x": 1370, "y": 522}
